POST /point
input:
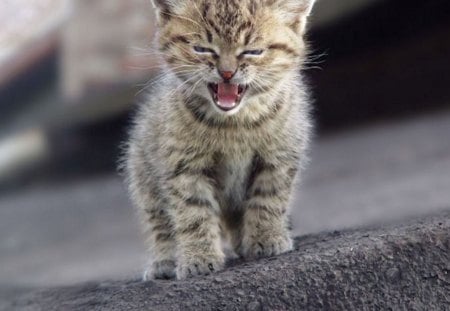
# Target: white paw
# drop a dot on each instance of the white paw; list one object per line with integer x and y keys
{"x": 163, "y": 269}
{"x": 199, "y": 265}
{"x": 265, "y": 245}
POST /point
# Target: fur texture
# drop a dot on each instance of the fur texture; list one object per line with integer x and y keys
{"x": 198, "y": 173}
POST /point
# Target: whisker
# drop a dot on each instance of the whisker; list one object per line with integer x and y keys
{"x": 195, "y": 86}
{"x": 157, "y": 79}
{"x": 173, "y": 92}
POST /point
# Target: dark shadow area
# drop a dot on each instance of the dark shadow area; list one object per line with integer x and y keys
{"x": 388, "y": 61}
{"x": 19, "y": 94}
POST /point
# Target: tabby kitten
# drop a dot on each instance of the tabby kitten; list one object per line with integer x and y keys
{"x": 216, "y": 147}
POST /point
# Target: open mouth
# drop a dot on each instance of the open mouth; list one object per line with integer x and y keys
{"x": 227, "y": 96}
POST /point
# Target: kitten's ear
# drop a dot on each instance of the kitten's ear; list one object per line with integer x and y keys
{"x": 164, "y": 9}
{"x": 295, "y": 12}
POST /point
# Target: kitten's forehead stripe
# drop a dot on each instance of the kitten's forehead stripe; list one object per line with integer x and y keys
{"x": 180, "y": 38}
{"x": 209, "y": 36}
{"x": 228, "y": 21}
{"x": 216, "y": 28}
{"x": 248, "y": 38}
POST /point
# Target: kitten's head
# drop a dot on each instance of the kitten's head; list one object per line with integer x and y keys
{"x": 231, "y": 50}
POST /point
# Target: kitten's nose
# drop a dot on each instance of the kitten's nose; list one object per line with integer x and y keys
{"x": 226, "y": 75}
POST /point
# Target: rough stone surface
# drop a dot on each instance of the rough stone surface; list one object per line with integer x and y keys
{"x": 404, "y": 267}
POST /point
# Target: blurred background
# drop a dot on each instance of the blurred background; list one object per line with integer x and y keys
{"x": 71, "y": 72}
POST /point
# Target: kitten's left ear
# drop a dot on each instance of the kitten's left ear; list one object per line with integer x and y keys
{"x": 164, "y": 8}
{"x": 295, "y": 12}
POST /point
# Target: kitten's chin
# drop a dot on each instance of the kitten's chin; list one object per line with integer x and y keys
{"x": 222, "y": 112}
{"x": 227, "y": 97}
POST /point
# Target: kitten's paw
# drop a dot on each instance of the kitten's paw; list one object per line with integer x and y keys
{"x": 199, "y": 265}
{"x": 265, "y": 245}
{"x": 163, "y": 269}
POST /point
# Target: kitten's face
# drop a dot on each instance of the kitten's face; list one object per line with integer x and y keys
{"x": 231, "y": 50}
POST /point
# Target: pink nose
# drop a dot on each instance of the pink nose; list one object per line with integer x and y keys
{"x": 227, "y": 75}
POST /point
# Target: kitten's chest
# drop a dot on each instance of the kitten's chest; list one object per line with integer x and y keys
{"x": 233, "y": 172}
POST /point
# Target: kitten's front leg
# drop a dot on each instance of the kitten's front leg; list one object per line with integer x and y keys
{"x": 265, "y": 229}
{"x": 195, "y": 215}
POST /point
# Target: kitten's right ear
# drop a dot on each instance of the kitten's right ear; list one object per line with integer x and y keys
{"x": 295, "y": 12}
{"x": 164, "y": 9}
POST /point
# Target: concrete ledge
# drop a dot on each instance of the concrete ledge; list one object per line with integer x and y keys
{"x": 404, "y": 267}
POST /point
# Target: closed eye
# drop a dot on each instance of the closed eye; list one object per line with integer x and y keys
{"x": 252, "y": 52}
{"x": 202, "y": 50}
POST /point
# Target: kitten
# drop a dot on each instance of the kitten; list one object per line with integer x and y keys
{"x": 216, "y": 147}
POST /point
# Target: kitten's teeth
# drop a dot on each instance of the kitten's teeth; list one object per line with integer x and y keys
{"x": 226, "y": 104}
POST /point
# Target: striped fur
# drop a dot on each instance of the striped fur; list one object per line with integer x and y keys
{"x": 197, "y": 174}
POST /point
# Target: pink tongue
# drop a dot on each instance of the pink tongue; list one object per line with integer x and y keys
{"x": 227, "y": 94}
